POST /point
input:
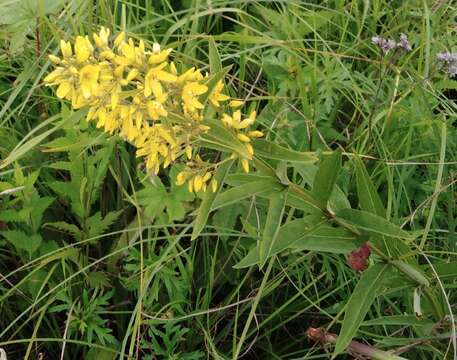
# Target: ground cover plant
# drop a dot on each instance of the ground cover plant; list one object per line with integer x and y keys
{"x": 212, "y": 179}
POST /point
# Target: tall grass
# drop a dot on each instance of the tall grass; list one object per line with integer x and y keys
{"x": 93, "y": 265}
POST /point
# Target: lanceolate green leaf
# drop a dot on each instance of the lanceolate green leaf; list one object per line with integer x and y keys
{"x": 326, "y": 176}
{"x": 208, "y": 199}
{"x": 368, "y": 197}
{"x": 244, "y": 191}
{"x": 359, "y": 303}
{"x": 215, "y": 64}
{"x": 337, "y": 200}
{"x": 371, "y": 223}
{"x": 272, "y": 225}
{"x": 222, "y": 139}
{"x": 308, "y": 233}
{"x": 269, "y": 150}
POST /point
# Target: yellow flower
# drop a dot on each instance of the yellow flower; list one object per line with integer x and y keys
{"x": 181, "y": 178}
{"x": 198, "y": 183}
{"x": 131, "y": 92}
{"x": 65, "y": 48}
{"x": 156, "y": 110}
{"x": 245, "y": 165}
{"x": 64, "y": 89}
{"x": 235, "y": 103}
{"x": 152, "y": 84}
{"x": 189, "y": 152}
{"x": 88, "y": 79}
{"x": 216, "y": 95}
{"x": 243, "y": 138}
{"x": 190, "y": 93}
{"x": 83, "y": 49}
{"x": 54, "y": 59}
{"x": 190, "y": 75}
{"x": 255, "y": 134}
{"x": 119, "y": 39}
{"x": 213, "y": 185}
{"x": 55, "y": 76}
{"x": 128, "y": 53}
{"x": 158, "y": 56}
{"x": 101, "y": 40}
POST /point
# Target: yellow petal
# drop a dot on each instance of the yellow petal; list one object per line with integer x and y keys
{"x": 82, "y": 51}
{"x": 54, "y": 75}
{"x": 54, "y": 59}
{"x": 245, "y": 123}
{"x": 181, "y": 178}
{"x": 198, "y": 183}
{"x": 255, "y": 134}
{"x": 114, "y": 99}
{"x": 63, "y": 89}
{"x": 65, "y": 48}
{"x": 159, "y": 57}
{"x": 235, "y": 103}
{"x": 189, "y": 152}
{"x": 132, "y": 74}
{"x": 119, "y": 39}
{"x": 166, "y": 77}
{"x": 245, "y": 165}
{"x": 243, "y": 138}
{"x": 213, "y": 185}
{"x": 250, "y": 149}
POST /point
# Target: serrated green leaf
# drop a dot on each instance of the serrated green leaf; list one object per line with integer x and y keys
{"x": 66, "y": 227}
{"x": 23, "y": 241}
{"x": 97, "y": 225}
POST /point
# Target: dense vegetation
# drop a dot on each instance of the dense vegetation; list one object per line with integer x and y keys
{"x": 338, "y": 242}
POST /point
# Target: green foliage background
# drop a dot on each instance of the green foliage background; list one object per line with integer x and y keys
{"x": 97, "y": 259}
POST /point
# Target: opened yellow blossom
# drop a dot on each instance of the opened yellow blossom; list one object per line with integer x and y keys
{"x": 138, "y": 94}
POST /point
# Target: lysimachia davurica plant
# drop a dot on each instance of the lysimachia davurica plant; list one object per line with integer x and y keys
{"x": 170, "y": 113}
{"x": 140, "y": 95}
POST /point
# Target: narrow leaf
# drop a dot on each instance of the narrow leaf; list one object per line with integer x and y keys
{"x": 272, "y": 225}
{"x": 326, "y": 176}
{"x": 368, "y": 196}
{"x": 359, "y": 303}
{"x": 267, "y": 149}
{"x": 371, "y": 223}
{"x": 303, "y": 234}
{"x": 244, "y": 191}
{"x": 207, "y": 202}
{"x": 215, "y": 64}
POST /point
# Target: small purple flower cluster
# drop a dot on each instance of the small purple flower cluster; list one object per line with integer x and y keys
{"x": 450, "y": 59}
{"x": 388, "y": 44}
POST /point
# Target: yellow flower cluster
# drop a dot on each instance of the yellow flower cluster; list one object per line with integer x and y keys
{"x": 132, "y": 91}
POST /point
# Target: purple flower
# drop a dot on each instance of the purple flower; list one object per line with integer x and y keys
{"x": 447, "y": 57}
{"x": 404, "y": 43}
{"x": 450, "y": 59}
{"x": 384, "y": 44}
{"x": 452, "y": 70}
